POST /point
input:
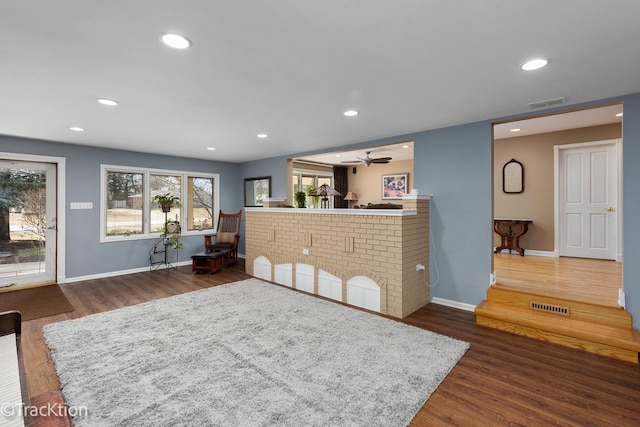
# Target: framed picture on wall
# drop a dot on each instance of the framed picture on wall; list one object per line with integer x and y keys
{"x": 394, "y": 186}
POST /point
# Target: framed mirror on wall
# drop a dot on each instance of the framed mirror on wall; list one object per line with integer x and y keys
{"x": 513, "y": 177}
{"x": 256, "y": 190}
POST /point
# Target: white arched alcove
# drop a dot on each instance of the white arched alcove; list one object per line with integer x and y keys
{"x": 283, "y": 274}
{"x": 262, "y": 268}
{"x": 363, "y": 292}
{"x": 329, "y": 286}
{"x": 304, "y": 277}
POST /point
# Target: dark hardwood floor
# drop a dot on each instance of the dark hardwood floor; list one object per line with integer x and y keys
{"x": 503, "y": 379}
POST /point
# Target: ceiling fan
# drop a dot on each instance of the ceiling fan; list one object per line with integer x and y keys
{"x": 368, "y": 160}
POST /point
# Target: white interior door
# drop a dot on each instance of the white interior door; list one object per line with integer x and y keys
{"x": 28, "y": 223}
{"x": 588, "y": 200}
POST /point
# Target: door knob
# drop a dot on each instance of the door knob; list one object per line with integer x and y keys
{"x": 610, "y": 209}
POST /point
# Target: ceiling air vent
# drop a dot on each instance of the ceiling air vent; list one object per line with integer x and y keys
{"x": 549, "y": 308}
{"x": 548, "y": 102}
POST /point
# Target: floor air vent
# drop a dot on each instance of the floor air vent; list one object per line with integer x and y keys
{"x": 549, "y": 308}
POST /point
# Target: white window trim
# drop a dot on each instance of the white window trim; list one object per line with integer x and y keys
{"x": 146, "y": 202}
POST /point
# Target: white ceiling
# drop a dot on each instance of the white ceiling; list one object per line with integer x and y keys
{"x": 289, "y": 68}
{"x": 556, "y": 122}
{"x": 397, "y": 152}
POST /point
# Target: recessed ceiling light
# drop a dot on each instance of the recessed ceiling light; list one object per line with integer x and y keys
{"x": 515, "y": 130}
{"x": 176, "y": 41}
{"x": 211, "y": 148}
{"x": 350, "y": 113}
{"x": 76, "y": 129}
{"x": 534, "y": 64}
{"x": 262, "y": 135}
{"x": 338, "y": 155}
{"x": 109, "y": 102}
{"x": 619, "y": 115}
{"x": 406, "y": 146}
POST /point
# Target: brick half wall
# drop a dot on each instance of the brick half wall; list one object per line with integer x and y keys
{"x": 383, "y": 245}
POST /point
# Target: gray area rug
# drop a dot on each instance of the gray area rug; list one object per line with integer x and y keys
{"x": 247, "y": 354}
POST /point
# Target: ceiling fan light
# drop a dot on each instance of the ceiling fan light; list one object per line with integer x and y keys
{"x": 368, "y": 160}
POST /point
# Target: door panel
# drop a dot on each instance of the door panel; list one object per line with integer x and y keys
{"x": 599, "y": 231}
{"x": 574, "y": 230}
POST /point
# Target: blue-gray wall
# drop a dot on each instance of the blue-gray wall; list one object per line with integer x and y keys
{"x": 454, "y": 164}
{"x": 85, "y": 255}
{"x": 631, "y": 202}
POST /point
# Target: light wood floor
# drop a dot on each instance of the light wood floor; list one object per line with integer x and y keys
{"x": 580, "y": 279}
{"x": 503, "y": 379}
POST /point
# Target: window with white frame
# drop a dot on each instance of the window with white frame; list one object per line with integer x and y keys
{"x": 127, "y": 210}
{"x": 308, "y": 180}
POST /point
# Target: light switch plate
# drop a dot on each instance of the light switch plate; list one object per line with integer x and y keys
{"x": 81, "y": 205}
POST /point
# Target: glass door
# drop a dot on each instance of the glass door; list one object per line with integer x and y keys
{"x": 28, "y": 229}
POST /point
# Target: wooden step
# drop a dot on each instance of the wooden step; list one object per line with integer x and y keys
{"x": 597, "y": 329}
{"x": 588, "y": 312}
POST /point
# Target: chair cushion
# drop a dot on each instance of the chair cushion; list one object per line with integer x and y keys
{"x": 225, "y": 237}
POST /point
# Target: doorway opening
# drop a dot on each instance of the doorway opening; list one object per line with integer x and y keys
{"x": 544, "y": 268}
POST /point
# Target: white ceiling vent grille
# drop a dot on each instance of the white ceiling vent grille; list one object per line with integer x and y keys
{"x": 548, "y": 102}
{"x": 549, "y": 308}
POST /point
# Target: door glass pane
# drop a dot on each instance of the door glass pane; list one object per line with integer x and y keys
{"x": 200, "y": 204}
{"x": 163, "y": 184}
{"x": 22, "y": 222}
{"x": 124, "y": 203}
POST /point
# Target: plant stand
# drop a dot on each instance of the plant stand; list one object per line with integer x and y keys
{"x": 153, "y": 262}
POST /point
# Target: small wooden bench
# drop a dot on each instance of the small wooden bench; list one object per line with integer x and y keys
{"x": 14, "y": 381}
{"x": 209, "y": 261}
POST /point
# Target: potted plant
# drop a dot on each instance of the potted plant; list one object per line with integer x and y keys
{"x": 173, "y": 226}
{"x": 167, "y": 201}
{"x": 171, "y": 234}
{"x": 172, "y": 240}
{"x": 300, "y": 198}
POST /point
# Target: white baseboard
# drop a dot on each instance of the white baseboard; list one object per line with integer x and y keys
{"x": 118, "y": 273}
{"x": 122, "y": 272}
{"x": 453, "y": 304}
{"x": 532, "y": 252}
{"x": 549, "y": 254}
